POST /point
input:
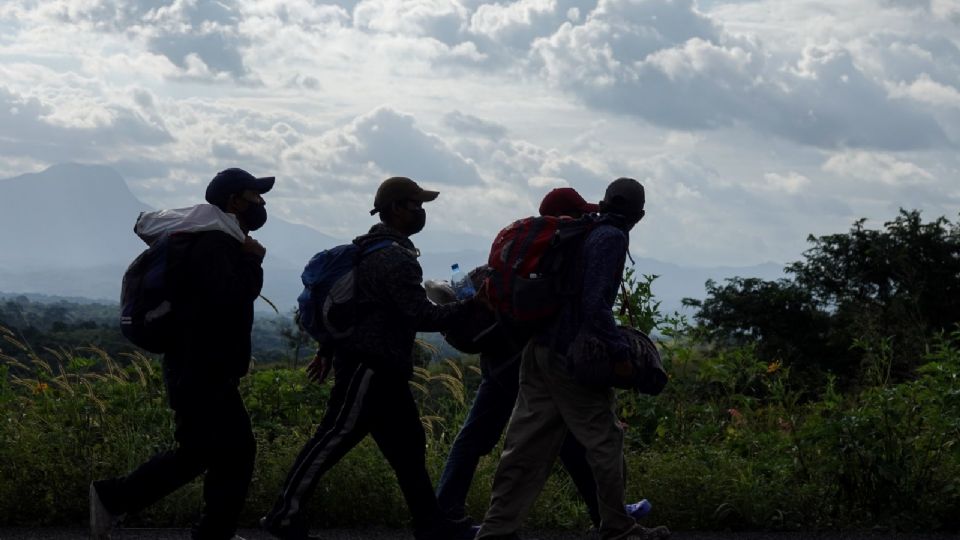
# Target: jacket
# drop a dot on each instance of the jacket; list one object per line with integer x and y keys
{"x": 600, "y": 270}
{"x": 214, "y": 286}
{"x": 392, "y": 306}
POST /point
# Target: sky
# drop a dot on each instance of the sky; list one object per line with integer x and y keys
{"x": 752, "y": 124}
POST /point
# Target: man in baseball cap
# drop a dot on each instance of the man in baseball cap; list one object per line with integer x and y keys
{"x": 398, "y": 189}
{"x": 232, "y": 181}
{"x": 566, "y": 201}
{"x": 240, "y": 193}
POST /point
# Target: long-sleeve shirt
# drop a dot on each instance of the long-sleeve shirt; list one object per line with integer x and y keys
{"x": 600, "y": 267}
{"x": 392, "y": 306}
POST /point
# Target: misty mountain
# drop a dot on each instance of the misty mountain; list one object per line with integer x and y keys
{"x": 68, "y": 231}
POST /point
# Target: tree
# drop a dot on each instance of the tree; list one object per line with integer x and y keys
{"x": 900, "y": 284}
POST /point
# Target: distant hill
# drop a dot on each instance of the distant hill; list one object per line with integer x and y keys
{"x": 68, "y": 231}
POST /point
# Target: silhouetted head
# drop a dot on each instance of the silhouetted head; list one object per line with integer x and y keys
{"x": 399, "y": 201}
{"x": 624, "y": 198}
{"x": 565, "y": 201}
{"x": 235, "y": 191}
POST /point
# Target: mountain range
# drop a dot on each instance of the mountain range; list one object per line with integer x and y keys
{"x": 68, "y": 231}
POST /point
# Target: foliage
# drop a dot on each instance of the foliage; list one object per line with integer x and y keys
{"x": 760, "y": 427}
{"x": 897, "y": 285}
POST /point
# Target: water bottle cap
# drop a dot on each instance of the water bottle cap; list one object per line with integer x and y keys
{"x": 455, "y": 266}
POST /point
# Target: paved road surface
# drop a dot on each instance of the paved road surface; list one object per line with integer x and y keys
{"x": 388, "y": 534}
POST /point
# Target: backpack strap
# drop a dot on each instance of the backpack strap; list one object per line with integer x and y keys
{"x": 376, "y": 246}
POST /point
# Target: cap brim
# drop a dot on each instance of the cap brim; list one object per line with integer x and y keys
{"x": 591, "y": 207}
{"x": 425, "y": 196}
{"x": 264, "y": 184}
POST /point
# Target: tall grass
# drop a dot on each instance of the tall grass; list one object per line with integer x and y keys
{"x": 730, "y": 443}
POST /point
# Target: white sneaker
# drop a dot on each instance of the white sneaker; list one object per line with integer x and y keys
{"x": 102, "y": 520}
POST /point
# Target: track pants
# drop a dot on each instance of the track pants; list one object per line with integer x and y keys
{"x": 362, "y": 402}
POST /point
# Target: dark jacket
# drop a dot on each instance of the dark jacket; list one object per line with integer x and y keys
{"x": 215, "y": 284}
{"x": 392, "y": 306}
{"x": 600, "y": 269}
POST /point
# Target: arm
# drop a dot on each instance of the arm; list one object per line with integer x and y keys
{"x": 604, "y": 254}
{"x": 405, "y": 291}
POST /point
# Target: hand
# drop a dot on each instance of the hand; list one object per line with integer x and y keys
{"x": 250, "y": 245}
{"x": 318, "y": 368}
{"x": 482, "y": 296}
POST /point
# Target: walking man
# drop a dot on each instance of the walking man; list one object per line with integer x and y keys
{"x": 372, "y": 367}
{"x": 214, "y": 281}
{"x": 495, "y": 399}
{"x": 552, "y": 402}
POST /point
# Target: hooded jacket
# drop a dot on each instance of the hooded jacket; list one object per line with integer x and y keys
{"x": 392, "y": 306}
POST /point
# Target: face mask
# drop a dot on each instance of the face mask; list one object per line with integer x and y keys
{"x": 254, "y": 216}
{"x": 419, "y": 220}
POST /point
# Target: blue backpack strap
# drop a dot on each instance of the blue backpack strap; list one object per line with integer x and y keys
{"x": 376, "y": 246}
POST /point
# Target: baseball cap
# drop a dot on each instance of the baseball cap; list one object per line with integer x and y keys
{"x": 400, "y": 188}
{"x": 230, "y": 181}
{"x": 565, "y": 201}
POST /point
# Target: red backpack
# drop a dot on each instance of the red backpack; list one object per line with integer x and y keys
{"x": 532, "y": 277}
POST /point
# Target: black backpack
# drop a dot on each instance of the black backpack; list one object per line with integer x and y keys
{"x": 146, "y": 296}
{"x": 641, "y": 371}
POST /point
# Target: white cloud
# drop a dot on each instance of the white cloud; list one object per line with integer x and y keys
{"x": 752, "y": 124}
{"x": 667, "y": 63}
{"x": 872, "y": 167}
{"x": 926, "y": 90}
{"x": 791, "y": 183}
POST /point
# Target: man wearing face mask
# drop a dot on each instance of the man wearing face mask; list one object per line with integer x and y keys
{"x": 215, "y": 277}
{"x": 372, "y": 366}
{"x": 552, "y": 402}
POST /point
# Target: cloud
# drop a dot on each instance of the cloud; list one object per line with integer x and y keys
{"x": 873, "y": 167}
{"x": 438, "y": 19}
{"x": 27, "y": 127}
{"x": 926, "y": 90}
{"x": 667, "y": 63}
{"x": 201, "y": 38}
{"x": 469, "y": 124}
{"x": 378, "y": 144}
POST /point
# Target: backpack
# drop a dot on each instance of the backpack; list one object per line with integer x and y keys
{"x": 642, "y": 371}
{"x": 146, "y": 311}
{"x": 326, "y": 309}
{"x": 149, "y": 283}
{"x": 479, "y": 331}
{"x": 532, "y": 277}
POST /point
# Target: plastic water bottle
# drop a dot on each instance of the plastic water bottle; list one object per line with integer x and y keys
{"x": 461, "y": 283}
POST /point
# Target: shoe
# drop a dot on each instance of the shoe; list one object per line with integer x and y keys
{"x": 643, "y": 533}
{"x": 285, "y": 534}
{"x": 102, "y": 520}
{"x": 639, "y": 509}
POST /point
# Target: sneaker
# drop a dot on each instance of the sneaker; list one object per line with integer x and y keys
{"x": 643, "y": 533}
{"x": 639, "y": 509}
{"x": 102, "y": 521}
{"x": 285, "y": 534}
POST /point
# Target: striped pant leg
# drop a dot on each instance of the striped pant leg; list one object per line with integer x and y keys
{"x": 345, "y": 423}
